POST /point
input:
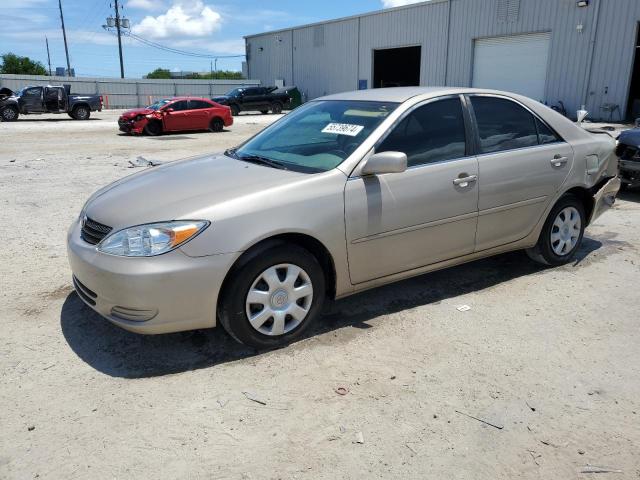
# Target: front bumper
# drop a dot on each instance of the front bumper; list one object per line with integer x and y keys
{"x": 167, "y": 293}
{"x": 131, "y": 126}
{"x": 605, "y": 197}
{"x": 630, "y": 172}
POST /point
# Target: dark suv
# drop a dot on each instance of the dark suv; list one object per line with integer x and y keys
{"x": 254, "y": 99}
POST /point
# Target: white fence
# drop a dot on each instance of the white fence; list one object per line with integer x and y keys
{"x": 129, "y": 92}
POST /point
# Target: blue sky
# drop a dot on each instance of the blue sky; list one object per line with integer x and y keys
{"x": 203, "y": 26}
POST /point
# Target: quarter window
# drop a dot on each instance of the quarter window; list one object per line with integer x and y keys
{"x": 503, "y": 125}
{"x": 431, "y": 133}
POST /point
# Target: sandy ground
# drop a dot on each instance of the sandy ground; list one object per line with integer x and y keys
{"x": 550, "y": 356}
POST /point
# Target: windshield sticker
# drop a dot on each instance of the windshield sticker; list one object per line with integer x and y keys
{"x": 343, "y": 129}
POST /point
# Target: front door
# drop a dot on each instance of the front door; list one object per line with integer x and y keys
{"x": 32, "y": 100}
{"x": 177, "y": 116}
{"x": 401, "y": 221}
{"x": 522, "y": 163}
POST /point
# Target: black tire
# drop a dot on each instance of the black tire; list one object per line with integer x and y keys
{"x": 544, "y": 252}
{"x": 81, "y": 112}
{"x": 216, "y": 125}
{"x": 276, "y": 108}
{"x": 153, "y": 128}
{"x": 232, "y": 306}
{"x": 9, "y": 114}
{"x": 235, "y": 110}
{"x": 264, "y": 112}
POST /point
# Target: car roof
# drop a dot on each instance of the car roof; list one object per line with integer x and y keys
{"x": 402, "y": 94}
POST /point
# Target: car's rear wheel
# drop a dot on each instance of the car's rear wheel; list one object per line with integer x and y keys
{"x": 273, "y": 297}
{"x": 235, "y": 110}
{"x": 276, "y": 107}
{"x": 81, "y": 112}
{"x": 216, "y": 125}
{"x": 153, "y": 128}
{"x": 561, "y": 234}
{"x": 9, "y": 114}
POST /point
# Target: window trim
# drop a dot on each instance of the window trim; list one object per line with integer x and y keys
{"x": 468, "y": 134}
{"x": 477, "y": 142}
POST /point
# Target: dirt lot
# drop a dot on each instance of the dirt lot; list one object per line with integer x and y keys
{"x": 551, "y": 356}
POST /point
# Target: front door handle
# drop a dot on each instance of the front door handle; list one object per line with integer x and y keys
{"x": 464, "y": 181}
{"x": 559, "y": 160}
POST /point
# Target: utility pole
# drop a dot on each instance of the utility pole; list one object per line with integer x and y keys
{"x": 64, "y": 35}
{"x": 119, "y": 39}
{"x": 48, "y": 55}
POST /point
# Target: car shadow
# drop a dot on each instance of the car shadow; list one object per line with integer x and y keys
{"x": 630, "y": 195}
{"x": 171, "y": 135}
{"x": 119, "y": 353}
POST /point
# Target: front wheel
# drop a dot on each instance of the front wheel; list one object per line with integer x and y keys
{"x": 81, "y": 113}
{"x": 153, "y": 128}
{"x": 9, "y": 114}
{"x": 273, "y": 297}
{"x": 235, "y": 110}
{"x": 561, "y": 234}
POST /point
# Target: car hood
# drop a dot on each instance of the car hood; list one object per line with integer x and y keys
{"x": 137, "y": 111}
{"x": 185, "y": 189}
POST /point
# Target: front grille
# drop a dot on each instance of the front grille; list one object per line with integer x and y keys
{"x": 93, "y": 232}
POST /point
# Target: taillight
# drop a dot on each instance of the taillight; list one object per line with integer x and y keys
{"x": 101, "y": 101}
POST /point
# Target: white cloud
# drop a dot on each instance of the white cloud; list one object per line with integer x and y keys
{"x": 398, "y": 3}
{"x": 183, "y": 19}
{"x": 144, "y": 4}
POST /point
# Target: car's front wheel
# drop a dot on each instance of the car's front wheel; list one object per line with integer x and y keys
{"x": 273, "y": 297}
{"x": 9, "y": 114}
{"x": 561, "y": 234}
{"x": 235, "y": 110}
{"x": 153, "y": 128}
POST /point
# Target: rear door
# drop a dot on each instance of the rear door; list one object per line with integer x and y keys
{"x": 401, "y": 221}
{"x": 200, "y": 113}
{"x": 32, "y": 100}
{"x": 522, "y": 164}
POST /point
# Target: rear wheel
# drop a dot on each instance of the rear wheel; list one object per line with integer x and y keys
{"x": 273, "y": 297}
{"x": 153, "y": 128}
{"x": 9, "y": 114}
{"x": 216, "y": 125}
{"x": 81, "y": 112}
{"x": 235, "y": 110}
{"x": 562, "y": 233}
{"x": 276, "y": 107}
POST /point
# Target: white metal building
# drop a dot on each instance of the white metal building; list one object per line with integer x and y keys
{"x": 578, "y": 52}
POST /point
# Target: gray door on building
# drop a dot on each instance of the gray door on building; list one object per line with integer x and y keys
{"x": 515, "y": 63}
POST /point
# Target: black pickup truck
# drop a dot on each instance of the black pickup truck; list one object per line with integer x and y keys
{"x": 254, "y": 99}
{"x": 49, "y": 99}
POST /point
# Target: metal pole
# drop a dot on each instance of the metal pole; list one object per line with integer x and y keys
{"x": 48, "y": 55}
{"x": 64, "y": 35}
{"x": 119, "y": 39}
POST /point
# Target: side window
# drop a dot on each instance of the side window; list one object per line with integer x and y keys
{"x": 33, "y": 92}
{"x": 503, "y": 124}
{"x": 199, "y": 105}
{"x": 179, "y": 106}
{"x": 545, "y": 134}
{"x": 431, "y": 133}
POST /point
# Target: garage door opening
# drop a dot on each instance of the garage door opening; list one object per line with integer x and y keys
{"x": 396, "y": 67}
{"x": 633, "y": 105}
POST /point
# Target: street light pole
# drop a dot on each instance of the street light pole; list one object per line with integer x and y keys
{"x": 48, "y": 55}
{"x": 64, "y": 35}
{"x": 119, "y": 39}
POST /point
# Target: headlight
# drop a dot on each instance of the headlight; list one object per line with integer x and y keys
{"x": 152, "y": 239}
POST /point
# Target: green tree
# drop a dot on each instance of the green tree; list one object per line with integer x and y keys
{"x": 161, "y": 73}
{"x": 12, "y": 63}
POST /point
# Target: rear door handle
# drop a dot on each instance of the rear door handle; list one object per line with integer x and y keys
{"x": 559, "y": 160}
{"x": 464, "y": 182}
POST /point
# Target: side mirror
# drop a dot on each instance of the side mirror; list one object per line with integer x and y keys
{"x": 385, "y": 162}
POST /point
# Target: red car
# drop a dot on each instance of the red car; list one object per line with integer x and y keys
{"x": 175, "y": 115}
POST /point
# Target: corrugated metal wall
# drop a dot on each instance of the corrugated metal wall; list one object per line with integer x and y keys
{"x": 591, "y": 66}
{"x": 129, "y": 93}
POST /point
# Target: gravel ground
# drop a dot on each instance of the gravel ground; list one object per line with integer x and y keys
{"x": 550, "y": 357}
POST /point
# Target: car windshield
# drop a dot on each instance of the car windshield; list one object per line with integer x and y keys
{"x": 159, "y": 104}
{"x": 316, "y": 137}
{"x": 235, "y": 92}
